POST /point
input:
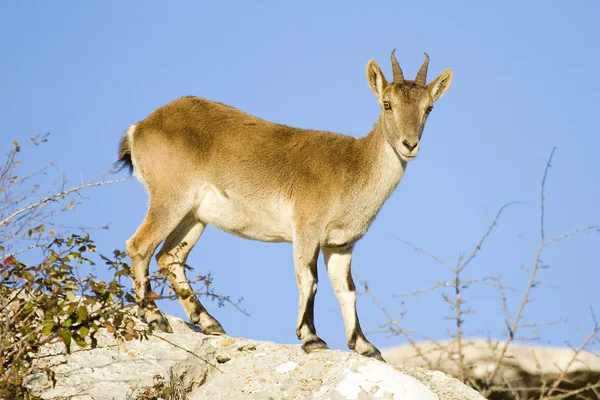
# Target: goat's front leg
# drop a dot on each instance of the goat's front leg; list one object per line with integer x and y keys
{"x": 338, "y": 267}
{"x": 305, "y": 263}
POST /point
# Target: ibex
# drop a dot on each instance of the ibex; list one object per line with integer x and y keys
{"x": 204, "y": 162}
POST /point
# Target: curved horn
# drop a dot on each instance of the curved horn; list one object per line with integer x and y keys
{"x": 421, "y": 78}
{"x": 398, "y": 76}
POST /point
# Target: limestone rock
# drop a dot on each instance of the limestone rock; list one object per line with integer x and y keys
{"x": 221, "y": 367}
{"x": 524, "y": 366}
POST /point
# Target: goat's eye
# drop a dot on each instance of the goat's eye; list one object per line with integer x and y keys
{"x": 429, "y": 109}
{"x": 387, "y": 105}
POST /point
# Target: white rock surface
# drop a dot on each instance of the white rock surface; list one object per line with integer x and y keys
{"x": 233, "y": 368}
{"x": 535, "y": 360}
{"x": 523, "y": 365}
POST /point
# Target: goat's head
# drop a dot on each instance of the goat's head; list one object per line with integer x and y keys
{"x": 405, "y": 104}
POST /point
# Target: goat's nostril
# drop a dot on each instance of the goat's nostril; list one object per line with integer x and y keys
{"x": 410, "y": 146}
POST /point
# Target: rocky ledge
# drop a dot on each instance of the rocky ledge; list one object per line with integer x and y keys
{"x": 221, "y": 367}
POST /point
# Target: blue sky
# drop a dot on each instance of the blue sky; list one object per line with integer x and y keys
{"x": 525, "y": 80}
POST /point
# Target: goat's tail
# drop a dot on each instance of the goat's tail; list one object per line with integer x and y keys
{"x": 124, "y": 154}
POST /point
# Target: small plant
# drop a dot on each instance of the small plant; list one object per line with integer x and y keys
{"x": 50, "y": 302}
{"x": 172, "y": 388}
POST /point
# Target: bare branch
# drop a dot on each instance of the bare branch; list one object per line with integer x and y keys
{"x": 487, "y": 234}
{"x": 543, "y": 196}
{"x": 427, "y": 289}
{"x": 56, "y": 196}
{"x": 571, "y": 233}
{"x": 23, "y": 250}
{"x": 516, "y": 322}
{"x": 576, "y": 353}
{"x": 393, "y": 321}
{"x": 422, "y": 250}
{"x": 187, "y": 351}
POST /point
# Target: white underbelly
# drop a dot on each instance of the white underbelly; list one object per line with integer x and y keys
{"x": 266, "y": 219}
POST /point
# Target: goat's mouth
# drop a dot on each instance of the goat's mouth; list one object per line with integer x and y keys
{"x": 404, "y": 155}
{"x": 407, "y": 157}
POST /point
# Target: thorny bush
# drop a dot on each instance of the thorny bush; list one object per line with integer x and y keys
{"x": 50, "y": 302}
{"x": 56, "y": 297}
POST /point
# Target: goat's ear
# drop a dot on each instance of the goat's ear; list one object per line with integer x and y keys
{"x": 438, "y": 87}
{"x": 376, "y": 79}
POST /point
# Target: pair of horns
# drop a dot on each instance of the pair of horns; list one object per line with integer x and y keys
{"x": 421, "y": 78}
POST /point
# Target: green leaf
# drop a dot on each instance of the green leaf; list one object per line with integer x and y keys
{"x": 98, "y": 287}
{"x": 66, "y": 337}
{"x": 82, "y": 313}
{"x": 49, "y": 327}
{"x": 71, "y": 295}
{"x": 84, "y": 331}
{"x": 28, "y": 308}
{"x": 79, "y": 340}
{"x": 28, "y": 276}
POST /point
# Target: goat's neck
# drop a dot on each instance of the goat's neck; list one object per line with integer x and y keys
{"x": 384, "y": 165}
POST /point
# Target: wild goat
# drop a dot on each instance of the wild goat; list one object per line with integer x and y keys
{"x": 204, "y": 162}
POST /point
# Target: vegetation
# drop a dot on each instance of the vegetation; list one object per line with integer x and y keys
{"x": 57, "y": 298}
{"x": 171, "y": 388}
{"x": 494, "y": 382}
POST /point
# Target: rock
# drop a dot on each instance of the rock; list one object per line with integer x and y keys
{"x": 221, "y": 367}
{"x": 278, "y": 371}
{"x": 114, "y": 371}
{"x": 524, "y": 366}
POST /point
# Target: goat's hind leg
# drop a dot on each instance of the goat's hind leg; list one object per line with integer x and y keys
{"x": 160, "y": 220}
{"x": 171, "y": 259}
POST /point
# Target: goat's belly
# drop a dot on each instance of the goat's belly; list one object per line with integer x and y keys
{"x": 264, "y": 220}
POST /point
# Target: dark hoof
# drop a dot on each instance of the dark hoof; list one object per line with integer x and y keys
{"x": 373, "y": 353}
{"x": 159, "y": 322}
{"x": 314, "y": 345}
{"x": 215, "y": 329}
